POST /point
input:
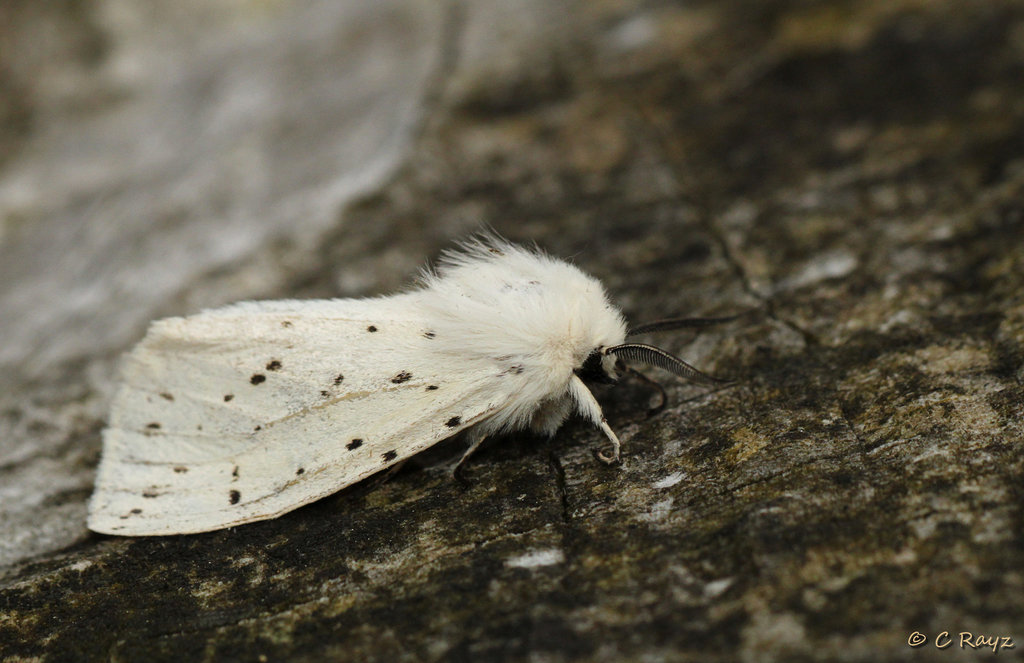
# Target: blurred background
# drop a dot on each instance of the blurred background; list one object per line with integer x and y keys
{"x": 852, "y": 170}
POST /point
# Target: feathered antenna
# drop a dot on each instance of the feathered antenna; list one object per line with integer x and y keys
{"x": 654, "y": 356}
{"x": 680, "y": 323}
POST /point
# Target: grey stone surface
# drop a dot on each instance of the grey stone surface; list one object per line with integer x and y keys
{"x": 849, "y": 173}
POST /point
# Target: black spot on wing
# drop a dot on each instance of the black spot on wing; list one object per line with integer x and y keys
{"x": 234, "y": 472}
{"x": 149, "y": 494}
{"x": 258, "y": 378}
{"x": 354, "y": 444}
{"x": 181, "y": 469}
{"x": 257, "y": 429}
{"x": 371, "y": 329}
{"x": 325, "y": 394}
{"x": 273, "y": 365}
{"x": 228, "y": 397}
{"x": 404, "y": 376}
{"x": 166, "y": 396}
{"x": 453, "y": 422}
{"x": 286, "y": 323}
{"x": 300, "y": 471}
{"x": 339, "y": 379}
{"x": 234, "y": 496}
{"x": 431, "y": 387}
{"x": 429, "y": 334}
{"x": 389, "y": 456}
{"x": 153, "y": 425}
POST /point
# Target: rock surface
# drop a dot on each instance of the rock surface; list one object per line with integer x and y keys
{"x": 849, "y": 173}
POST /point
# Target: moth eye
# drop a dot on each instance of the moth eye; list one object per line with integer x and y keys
{"x": 593, "y": 368}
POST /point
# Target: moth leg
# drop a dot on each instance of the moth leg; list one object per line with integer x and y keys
{"x": 602, "y": 454}
{"x": 588, "y": 407}
{"x": 476, "y": 438}
{"x": 385, "y": 476}
{"x": 654, "y": 383}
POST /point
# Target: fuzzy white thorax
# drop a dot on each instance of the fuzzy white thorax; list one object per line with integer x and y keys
{"x": 540, "y": 316}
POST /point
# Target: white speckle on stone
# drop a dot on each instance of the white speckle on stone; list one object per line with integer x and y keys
{"x": 633, "y": 33}
{"x": 536, "y": 558}
{"x": 832, "y": 265}
{"x": 891, "y": 443}
{"x": 942, "y": 231}
{"x": 901, "y": 318}
{"x": 670, "y": 480}
{"x": 716, "y": 587}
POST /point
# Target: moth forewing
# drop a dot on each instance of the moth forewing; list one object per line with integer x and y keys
{"x": 208, "y": 432}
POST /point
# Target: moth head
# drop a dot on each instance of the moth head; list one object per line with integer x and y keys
{"x": 601, "y": 367}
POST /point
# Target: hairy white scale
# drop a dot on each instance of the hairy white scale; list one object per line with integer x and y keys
{"x": 249, "y": 411}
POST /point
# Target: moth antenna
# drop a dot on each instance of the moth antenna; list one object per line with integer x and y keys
{"x": 680, "y": 323}
{"x": 652, "y": 356}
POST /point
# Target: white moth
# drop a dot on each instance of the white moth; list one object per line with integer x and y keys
{"x": 246, "y": 412}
